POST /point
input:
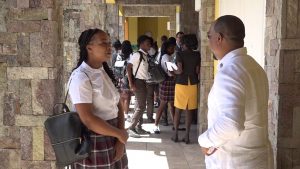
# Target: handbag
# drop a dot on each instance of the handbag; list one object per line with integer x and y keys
{"x": 69, "y": 137}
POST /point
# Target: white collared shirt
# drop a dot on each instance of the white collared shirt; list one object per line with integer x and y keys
{"x": 166, "y": 58}
{"x": 102, "y": 93}
{"x": 142, "y": 72}
{"x": 237, "y": 114}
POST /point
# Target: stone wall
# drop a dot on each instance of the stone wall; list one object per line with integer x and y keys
{"x": 79, "y": 16}
{"x": 282, "y": 50}
{"x": 148, "y": 2}
{"x": 29, "y": 48}
{"x": 206, "y": 17}
{"x": 189, "y": 18}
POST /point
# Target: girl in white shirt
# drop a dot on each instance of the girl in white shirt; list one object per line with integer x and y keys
{"x": 96, "y": 99}
{"x": 167, "y": 87}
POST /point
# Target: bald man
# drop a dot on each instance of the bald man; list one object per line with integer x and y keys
{"x": 237, "y": 134}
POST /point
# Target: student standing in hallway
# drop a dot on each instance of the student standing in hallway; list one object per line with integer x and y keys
{"x": 167, "y": 87}
{"x": 237, "y": 134}
{"x": 137, "y": 70}
{"x": 97, "y": 101}
{"x": 187, "y": 79}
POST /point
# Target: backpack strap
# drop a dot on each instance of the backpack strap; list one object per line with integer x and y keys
{"x": 66, "y": 97}
{"x": 161, "y": 55}
{"x": 141, "y": 58}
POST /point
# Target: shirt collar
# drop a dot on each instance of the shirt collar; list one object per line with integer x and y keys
{"x": 231, "y": 54}
{"x": 89, "y": 68}
{"x": 143, "y": 52}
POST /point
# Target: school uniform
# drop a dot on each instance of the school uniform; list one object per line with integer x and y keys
{"x": 167, "y": 87}
{"x": 187, "y": 81}
{"x": 88, "y": 85}
{"x": 144, "y": 91}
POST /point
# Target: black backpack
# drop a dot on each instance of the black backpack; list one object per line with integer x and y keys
{"x": 69, "y": 137}
{"x": 157, "y": 74}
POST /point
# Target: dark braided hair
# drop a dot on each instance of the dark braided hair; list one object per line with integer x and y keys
{"x": 165, "y": 46}
{"x": 126, "y": 49}
{"x": 84, "y": 39}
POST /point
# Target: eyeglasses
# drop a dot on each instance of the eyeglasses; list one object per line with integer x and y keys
{"x": 101, "y": 43}
{"x": 210, "y": 35}
{"x": 224, "y": 36}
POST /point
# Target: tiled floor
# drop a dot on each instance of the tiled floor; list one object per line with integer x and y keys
{"x": 158, "y": 151}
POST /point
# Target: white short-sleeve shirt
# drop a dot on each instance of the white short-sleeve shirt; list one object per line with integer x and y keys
{"x": 142, "y": 72}
{"x": 88, "y": 85}
{"x": 166, "y": 58}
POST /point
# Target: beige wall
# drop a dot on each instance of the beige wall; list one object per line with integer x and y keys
{"x": 252, "y": 13}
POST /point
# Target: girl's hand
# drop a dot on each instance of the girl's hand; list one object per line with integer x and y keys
{"x": 119, "y": 148}
{"x": 123, "y": 136}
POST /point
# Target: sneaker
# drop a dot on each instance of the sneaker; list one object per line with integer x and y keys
{"x": 133, "y": 133}
{"x": 128, "y": 119}
{"x": 164, "y": 122}
{"x": 156, "y": 130}
{"x": 126, "y": 116}
{"x": 141, "y": 131}
{"x": 150, "y": 120}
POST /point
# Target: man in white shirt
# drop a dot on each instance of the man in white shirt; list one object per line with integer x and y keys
{"x": 138, "y": 74}
{"x": 237, "y": 134}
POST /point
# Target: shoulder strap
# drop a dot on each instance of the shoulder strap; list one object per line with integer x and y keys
{"x": 141, "y": 58}
{"x": 161, "y": 55}
{"x": 66, "y": 97}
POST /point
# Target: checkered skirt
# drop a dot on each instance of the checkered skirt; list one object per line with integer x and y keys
{"x": 167, "y": 89}
{"x": 103, "y": 153}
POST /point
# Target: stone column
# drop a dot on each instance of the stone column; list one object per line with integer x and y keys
{"x": 29, "y": 47}
{"x": 283, "y": 68}
{"x": 189, "y": 18}
{"x": 206, "y": 17}
{"x": 79, "y": 16}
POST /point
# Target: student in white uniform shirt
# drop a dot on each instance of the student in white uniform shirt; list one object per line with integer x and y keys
{"x": 137, "y": 70}
{"x": 92, "y": 90}
{"x": 237, "y": 134}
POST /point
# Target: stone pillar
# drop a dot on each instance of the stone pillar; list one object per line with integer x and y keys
{"x": 283, "y": 68}
{"x": 189, "y": 18}
{"x": 206, "y": 17}
{"x": 29, "y": 46}
{"x": 79, "y": 16}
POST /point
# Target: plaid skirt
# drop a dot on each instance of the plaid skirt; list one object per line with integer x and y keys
{"x": 167, "y": 90}
{"x": 103, "y": 153}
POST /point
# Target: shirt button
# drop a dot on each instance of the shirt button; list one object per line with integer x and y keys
{"x": 221, "y": 65}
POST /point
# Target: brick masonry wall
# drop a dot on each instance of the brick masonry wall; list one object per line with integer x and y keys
{"x": 282, "y": 65}
{"x": 206, "y": 17}
{"x": 189, "y": 18}
{"x": 28, "y": 53}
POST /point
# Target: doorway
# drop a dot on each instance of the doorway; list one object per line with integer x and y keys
{"x": 152, "y": 26}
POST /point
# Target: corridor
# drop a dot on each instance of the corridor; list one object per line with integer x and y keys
{"x": 158, "y": 151}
